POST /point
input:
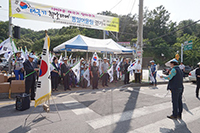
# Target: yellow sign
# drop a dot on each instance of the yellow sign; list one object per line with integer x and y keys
{"x": 177, "y": 57}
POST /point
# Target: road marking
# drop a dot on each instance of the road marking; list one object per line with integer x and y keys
{"x": 78, "y": 108}
{"x": 119, "y": 117}
{"x": 166, "y": 125}
{"x": 7, "y": 103}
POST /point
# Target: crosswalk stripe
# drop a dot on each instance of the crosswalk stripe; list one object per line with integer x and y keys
{"x": 167, "y": 125}
{"x": 78, "y": 108}
{"x": 127, "y": 115}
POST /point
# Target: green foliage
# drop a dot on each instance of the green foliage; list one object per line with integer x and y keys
{"x": 156, "y": 23}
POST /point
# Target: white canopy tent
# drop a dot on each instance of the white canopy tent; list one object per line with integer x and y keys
{"x": 86, "y": 44}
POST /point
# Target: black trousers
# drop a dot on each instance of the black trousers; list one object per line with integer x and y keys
{"x": 137, "y": 78}
{"x": 177, "y": 102}
{"x": 105, "y": 79}
{"x": 66, "y": 82}
{"x": 54, "y": 82}
{"x": 95, "y": 81}
{"x": 30, "y": 84}
{"x": 126, "y": 78}
{"x": 198, "y": 86}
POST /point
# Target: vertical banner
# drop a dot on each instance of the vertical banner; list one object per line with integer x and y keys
{"x": 43, "y": 91}
{"x": 40, "y": 12}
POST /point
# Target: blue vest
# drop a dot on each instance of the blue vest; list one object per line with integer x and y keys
{"x": 177, "y": 81}
{"x": 55, "y": 68}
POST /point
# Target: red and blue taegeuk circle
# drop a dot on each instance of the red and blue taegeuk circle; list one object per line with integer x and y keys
{"x": 95, "y": 58}
{"x": 43, "y": 68}
{"x": 23, "y": 5}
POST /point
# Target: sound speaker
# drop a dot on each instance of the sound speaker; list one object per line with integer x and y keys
{"x": 16, "y": 30}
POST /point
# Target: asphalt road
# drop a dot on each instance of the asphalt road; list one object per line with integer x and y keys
{"x": 118, "y": 110}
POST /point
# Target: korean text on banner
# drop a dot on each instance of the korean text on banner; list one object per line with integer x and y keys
{"x": 40, "y": 12}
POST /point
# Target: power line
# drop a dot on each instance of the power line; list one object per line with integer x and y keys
{"x": 116, "y": 5}
{"x": 126, "y": 19}
{"x": 173, "y": 31}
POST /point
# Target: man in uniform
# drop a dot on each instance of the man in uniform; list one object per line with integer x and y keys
{"x": 65, "y": 74}
{"x": 126, "y": 73}
{"x": 104, "y": 68}
{"x": 175, "y": 84}
{"x": 197, "y": 72}
{"x": 30, "y": 69}
{"x": 94, "y": 75}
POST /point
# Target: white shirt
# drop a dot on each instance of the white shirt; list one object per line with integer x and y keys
{"x": 138, "y": 67}
{"x": 182, "y": 67}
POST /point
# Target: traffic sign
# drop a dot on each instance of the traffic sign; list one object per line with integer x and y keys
{"x": 188, "y": 45}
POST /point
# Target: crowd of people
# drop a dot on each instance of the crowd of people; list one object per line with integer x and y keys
{"x": 61, "y": 71}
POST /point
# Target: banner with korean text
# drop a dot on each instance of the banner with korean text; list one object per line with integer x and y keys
{"x": 40, "y": 12}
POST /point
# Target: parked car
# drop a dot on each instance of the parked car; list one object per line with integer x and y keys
{"x": 192, "y": 76}
{"x": 166, "y": 70}
{"x": 187, "y": 70}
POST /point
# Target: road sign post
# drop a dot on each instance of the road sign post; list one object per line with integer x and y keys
{"x": 186, "y": 46}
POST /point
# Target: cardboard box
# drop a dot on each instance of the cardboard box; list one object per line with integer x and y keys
{"x": 4, "y": 87}
{"x": 5, "y": 78}
{"x": 1, "y": 78}
{"x": 17, "y": 86}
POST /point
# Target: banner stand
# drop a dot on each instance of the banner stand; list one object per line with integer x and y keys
{"x": 40, "y": 114}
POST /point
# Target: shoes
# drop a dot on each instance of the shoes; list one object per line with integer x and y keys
{"x": 179, "y": 116}
{"x": 172, "y": 117}
{"x": 32, "y": 98}
{"x": 56, "y": 89}
{"x": 197, "y": 95}
{"x": 97, "y": 88}
{"x": 106, "y": 85}
{"x": 69, "y": 89}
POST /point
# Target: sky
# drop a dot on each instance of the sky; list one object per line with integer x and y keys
{"x": 179, "y": 9}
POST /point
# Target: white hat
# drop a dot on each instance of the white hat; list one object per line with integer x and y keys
{"x": 65, "y": 59}
{"x": 198, "y": 63}
{"x": 114, "y": 59}
{"x": 105, "y": 58}
{"x": 31, "y": 55}
{"x": 152, "y": 61}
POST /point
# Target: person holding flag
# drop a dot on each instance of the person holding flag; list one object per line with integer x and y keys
{"x": 104, "y": 68}
{"x": 65, "y": 74}
{"x": 126, "y": 72}
{"x": 55, "y": 73}
{"x": 115, "y": 70}
{"x": 30, "y": 70}
{"x": 94, "y": 75}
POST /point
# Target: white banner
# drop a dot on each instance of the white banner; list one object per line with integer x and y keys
{"x": 35, "y": 11}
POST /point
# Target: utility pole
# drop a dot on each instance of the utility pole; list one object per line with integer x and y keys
{"x": 139, "y": 50}
{"x": 182, "y": 52}
{"x": 140, "y": 30}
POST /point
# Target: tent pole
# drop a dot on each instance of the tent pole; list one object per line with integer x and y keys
{"x": 65, "y": 53}
{"x": 87, "y": 55}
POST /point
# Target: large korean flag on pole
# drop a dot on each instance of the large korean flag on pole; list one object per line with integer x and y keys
{"x": 43, "y": 91}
